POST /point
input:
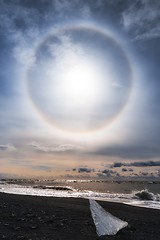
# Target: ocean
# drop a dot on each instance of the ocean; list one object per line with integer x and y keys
{"x": 137, "y": 193}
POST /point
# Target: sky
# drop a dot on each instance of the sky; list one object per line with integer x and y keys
{"x": 79, "y": 89}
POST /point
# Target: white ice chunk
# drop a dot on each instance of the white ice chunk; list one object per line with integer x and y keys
{"x": 106, "y": 223}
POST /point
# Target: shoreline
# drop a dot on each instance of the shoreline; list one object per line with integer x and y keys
{"x": 40, "y": 218}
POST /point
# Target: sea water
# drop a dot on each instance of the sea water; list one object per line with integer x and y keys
{"x": 137, "y": 193}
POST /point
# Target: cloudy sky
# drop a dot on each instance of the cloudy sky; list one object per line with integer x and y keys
{"x": 79, "y": 88}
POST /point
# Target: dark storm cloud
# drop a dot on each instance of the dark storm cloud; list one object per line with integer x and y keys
{"x": 144, "y": 173}
{"x": 136, "y": 164}
{"x": 129, "y": 174}
{"x": 124, "y": 170}
{"x": 145, "y": 164}
{"x": 83, "y": 170}
{"x": 107, "y": 173}
{"x": 127, "y": 170}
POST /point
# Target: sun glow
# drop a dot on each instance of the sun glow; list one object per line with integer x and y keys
{"x": 81, "y": 84}
{"x": 77, "y": 84}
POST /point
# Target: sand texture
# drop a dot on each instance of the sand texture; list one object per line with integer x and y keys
{"x": 47, "y": 218}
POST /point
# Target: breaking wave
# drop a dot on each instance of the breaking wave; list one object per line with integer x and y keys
{"x": 142, "y": 198}
{"x": 146, "y": 195}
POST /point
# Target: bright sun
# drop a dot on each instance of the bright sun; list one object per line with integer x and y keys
{"x": 80, "y": 84}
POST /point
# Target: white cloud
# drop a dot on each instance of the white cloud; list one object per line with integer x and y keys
{"x": 63, "y": 5}
{"x": 65, "y": 8}
{"x": 116, "y": 84}
{"x": 18, "y": 21}
{"x": 21, "y": 24}
{"x": 86, "y": 12}
{"x": 142, "y": 18}
{"x": 24, "y": 55}
{"x": 59, "y": 148}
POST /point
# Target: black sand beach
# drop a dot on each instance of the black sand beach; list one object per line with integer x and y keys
{"x": 39, "y": 218}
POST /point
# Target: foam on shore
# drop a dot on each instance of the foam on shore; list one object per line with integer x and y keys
{"x": 142, "y": 198}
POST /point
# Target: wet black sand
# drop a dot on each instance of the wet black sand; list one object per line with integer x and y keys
{"x": 37, "y": 218}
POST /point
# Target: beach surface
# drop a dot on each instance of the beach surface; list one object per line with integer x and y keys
{"x": 48, "y": 218}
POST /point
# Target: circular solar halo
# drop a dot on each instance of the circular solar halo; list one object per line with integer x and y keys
{"x": 89, "y": 105}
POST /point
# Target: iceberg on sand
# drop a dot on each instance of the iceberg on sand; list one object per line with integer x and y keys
{"x": 106, "y": 223}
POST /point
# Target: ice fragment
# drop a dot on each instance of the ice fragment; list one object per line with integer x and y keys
{"x": 106, "y": 223}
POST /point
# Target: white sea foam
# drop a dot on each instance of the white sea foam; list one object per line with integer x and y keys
{"x": 140, "y": 198}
